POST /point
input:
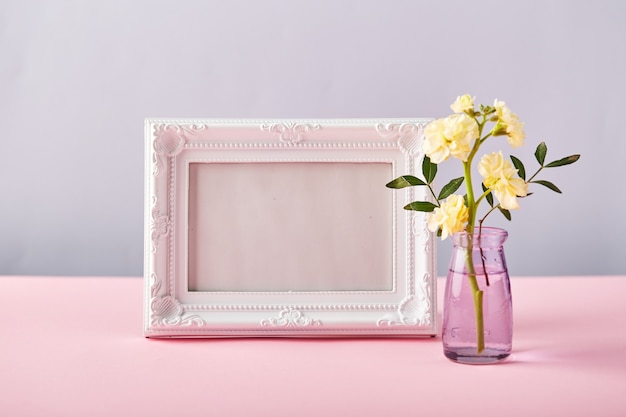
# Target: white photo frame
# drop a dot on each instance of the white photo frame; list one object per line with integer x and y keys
{"x": 285, "y": 228}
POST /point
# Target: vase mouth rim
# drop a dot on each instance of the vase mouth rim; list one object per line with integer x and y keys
{"x": 486, "y": 231}
{"x": 485, "y": 237}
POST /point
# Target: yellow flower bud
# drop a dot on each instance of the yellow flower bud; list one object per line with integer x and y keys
{"x": 462, "y": 104}
{"x": 512, "y": 126}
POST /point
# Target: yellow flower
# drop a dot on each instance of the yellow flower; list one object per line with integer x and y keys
{"x": 452, "y": 135}
{"x": 451, "y": 216}
{"x": 510, "y": 123}
{"x": 463, "y": 103}
{"x": 500, "y": 176}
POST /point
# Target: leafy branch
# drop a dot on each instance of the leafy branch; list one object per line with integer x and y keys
{"x": 540, "y": 156}
{"x": 429, "y": 171}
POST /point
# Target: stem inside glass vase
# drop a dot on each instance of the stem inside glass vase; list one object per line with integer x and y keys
{"x": 477, "y": 295}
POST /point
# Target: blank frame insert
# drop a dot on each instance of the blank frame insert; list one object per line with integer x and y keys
{"x": 289, "y": 227}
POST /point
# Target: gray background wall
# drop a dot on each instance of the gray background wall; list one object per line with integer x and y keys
{"x": 77, "y": 79}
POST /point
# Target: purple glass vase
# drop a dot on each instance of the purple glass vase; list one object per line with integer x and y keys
{"x": 477, "y": 299}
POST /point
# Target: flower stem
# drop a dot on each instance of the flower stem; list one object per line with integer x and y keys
{"x": 477, "y": 295}
{"x": 482, "y": 255}
{"x": 472, "y": 206}
{"x": 534, "y": 175}
{"x": 434, "y": 195}
{"x": 469, "y": 259}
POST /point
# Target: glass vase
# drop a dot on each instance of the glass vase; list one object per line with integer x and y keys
{"x": 477, "y": 299}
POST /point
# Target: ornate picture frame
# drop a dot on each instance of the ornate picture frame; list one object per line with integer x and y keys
{"x": 285, "y": 228}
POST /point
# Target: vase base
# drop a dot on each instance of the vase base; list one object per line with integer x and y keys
{"x": 470, "y": 357}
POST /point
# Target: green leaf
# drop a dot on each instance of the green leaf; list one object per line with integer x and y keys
{"x": 420, "y": 206}
{"x": 488, "y": 197}
{"x": 429, "y": 170}
{"x": 450, "y": 188}
{"x": 505, "y": 213}
{"x": 405, "y": 181}
{"x": 548, "y": 184}
{"x": 521, "y": 171}
{"x": 564, "y": 161}
{"x": 541, "y": 152}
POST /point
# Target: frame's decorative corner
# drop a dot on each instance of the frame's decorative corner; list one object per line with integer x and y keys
{"x": 407, "y": 135}
{"x": 167, "y": 311}
{"x": 411, "y": 312}
{"x": 169, "y": 139}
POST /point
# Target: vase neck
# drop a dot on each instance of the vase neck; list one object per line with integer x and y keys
{"x": 485, "y": 237}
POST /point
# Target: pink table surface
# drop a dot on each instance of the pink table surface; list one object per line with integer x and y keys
{"x": 74, "y": 347}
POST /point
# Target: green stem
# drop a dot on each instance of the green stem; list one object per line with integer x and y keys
{"x": 485, "y": 194}
{"x": 477, "y": 294}
{"x": 472, "y": 206}
{"x": 534, "y": 175}
{"x": 482, "y": 255}
{"x": 434, "y": 195}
